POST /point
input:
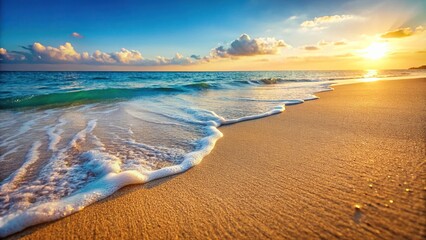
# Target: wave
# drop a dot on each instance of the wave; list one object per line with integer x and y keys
{"x": 247, "y": 82}
{"x": 200, "y": 86}
{"x": 81, "y": 97}
{"x": 271, "y": 80}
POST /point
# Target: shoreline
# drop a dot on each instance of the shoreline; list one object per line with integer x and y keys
{"x": 230, "y": 217}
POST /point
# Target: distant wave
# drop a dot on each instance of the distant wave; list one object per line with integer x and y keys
{"x": 201, "y": 85}
{"x": 80, "y": 97}
{"x": 96, "y": 95}
{"x": 271, "y": 80}
{"x": 77, "y": 96}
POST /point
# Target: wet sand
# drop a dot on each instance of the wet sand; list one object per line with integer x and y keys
{"x": 350, "y": 165}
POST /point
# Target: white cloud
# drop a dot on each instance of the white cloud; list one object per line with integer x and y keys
{"x": 38, "y": 53}
{"x": 64, "y": 53}
{"x": 99, "y": 57}
{"x": 127, "y": 56}
{"x": 319, "y": 22}
{"x": 245, "y": 46}
{"x": 77, "y": 35}
{"x": 178, "y": 59}
{"x": 292, "y": 18}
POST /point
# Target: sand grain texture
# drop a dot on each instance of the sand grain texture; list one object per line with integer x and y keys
{"x": 294, "y": 175}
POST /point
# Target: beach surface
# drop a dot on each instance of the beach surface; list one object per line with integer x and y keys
{"x": 349, "y": 165}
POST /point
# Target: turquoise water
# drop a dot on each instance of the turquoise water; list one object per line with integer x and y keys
{"x": 69, "y": 139}
{"x": 33, "y": 89}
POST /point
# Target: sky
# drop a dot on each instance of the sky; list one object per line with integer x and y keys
{"x": 160, "y": 35}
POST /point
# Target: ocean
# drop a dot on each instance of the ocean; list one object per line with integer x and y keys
{"x": 69, "y": 139}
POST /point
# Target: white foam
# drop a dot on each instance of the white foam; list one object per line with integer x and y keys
{"x": 80, "y": 136}
{"x": 23, "y": 129}
{"x": 112, "y": 179}
{"x": 276, "y": 110}
{"x": 54, "y": 134}
{"x": 97, "y": 142}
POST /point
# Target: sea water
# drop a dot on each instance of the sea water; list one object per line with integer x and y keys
{"x": 68, "y": 139}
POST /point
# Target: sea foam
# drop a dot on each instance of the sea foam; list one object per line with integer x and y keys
{"x": 111, "y": 179}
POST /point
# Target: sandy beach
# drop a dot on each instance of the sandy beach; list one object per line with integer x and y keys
{"x": 349, "y": 165}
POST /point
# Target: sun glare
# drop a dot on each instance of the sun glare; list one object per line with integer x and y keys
{"x": 376, "y": 50}
{"x": 370, "y": 76}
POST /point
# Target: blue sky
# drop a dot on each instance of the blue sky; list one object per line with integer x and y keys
{"x": 164, "y": 28}
{"x": 156, "y": 26}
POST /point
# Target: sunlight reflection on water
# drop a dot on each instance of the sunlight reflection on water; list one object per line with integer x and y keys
{"x": 370, "y": 76}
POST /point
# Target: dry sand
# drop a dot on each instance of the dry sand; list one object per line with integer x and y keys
{"x": 299, "y": 174}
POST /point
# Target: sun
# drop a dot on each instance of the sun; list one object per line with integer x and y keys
{"x": 376, "y": 50}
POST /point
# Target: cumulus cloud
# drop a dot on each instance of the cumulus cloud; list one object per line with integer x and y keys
{"x": 66, "y": 53}
{"x": 38, "y": 53}
{"x": 246, "y": 46}
{"x": 311, "y": 48}
{"x": 127, "y": 56}
{"x": 77, "y": 35}
{"x": 178, "y": 59}
{"x": 402, "y": 32}
{"x": 99, "y": 57}
{"x": 321, "y": 21}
